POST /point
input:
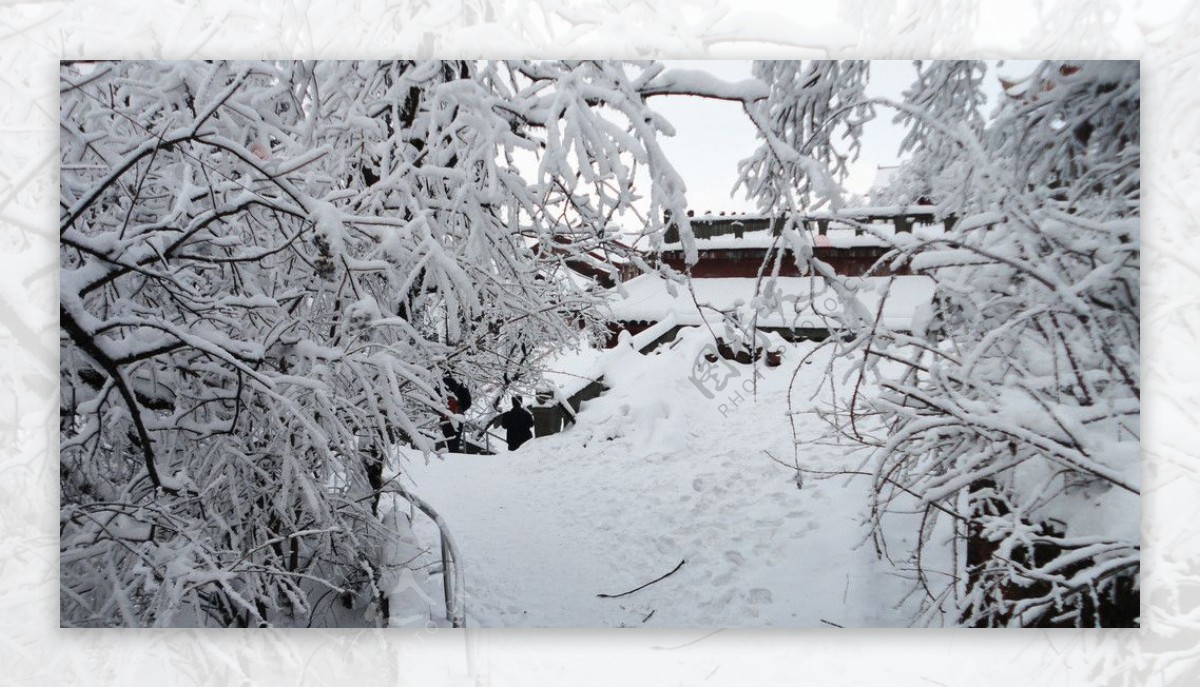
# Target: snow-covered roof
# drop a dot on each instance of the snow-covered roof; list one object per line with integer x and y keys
{"x": 839, "y": 235}
{"x": 858, "y": 212}
{"x": 805, "y": 301}
{"x": 875, "y": 212}
{"x": 708, "y": 216}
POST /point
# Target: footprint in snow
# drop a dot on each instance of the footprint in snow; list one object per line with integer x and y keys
{"x": 735, "y": 558}
{"x": 760, "y": 596}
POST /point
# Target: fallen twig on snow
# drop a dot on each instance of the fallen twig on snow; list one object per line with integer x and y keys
{"x": 832, "y": 624}
{"x": 630, "y": 592}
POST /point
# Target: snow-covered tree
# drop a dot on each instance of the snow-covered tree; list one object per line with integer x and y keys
{"x": 1012, "y": 409}
{"x": 945, "y": 96}
{"x": 810, "y": 123}
{"x": 268, "y": 271}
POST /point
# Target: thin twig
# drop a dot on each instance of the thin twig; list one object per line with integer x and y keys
{"x": 832, "y": 624}
{"x": 630, "y": 592}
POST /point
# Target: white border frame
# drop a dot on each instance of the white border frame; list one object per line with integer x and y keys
{"x": 35, "y": 35}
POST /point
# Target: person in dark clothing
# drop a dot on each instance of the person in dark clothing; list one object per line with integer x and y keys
{"x": 458, "y": 402}
{"x": 461, "y": 394}
{"x": 517, "y": 424}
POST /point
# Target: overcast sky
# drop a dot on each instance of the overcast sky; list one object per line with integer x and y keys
{"x": 712, "y": 136}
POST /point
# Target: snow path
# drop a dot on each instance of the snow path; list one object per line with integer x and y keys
{"x": 654, "y": 473}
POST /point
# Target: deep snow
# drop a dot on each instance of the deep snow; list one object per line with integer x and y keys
{"x": 656, "y": 472}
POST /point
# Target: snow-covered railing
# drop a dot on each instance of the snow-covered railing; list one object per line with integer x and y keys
{"x": 640, "y": 341}
{"x": 452, "y": 578}
{"x": 552, "y": 415}
{"x": 646, "y": 337}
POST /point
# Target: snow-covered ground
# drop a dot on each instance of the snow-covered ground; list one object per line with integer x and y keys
{"x": 662, "y": 468}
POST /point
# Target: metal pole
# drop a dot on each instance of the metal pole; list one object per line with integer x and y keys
{"x": 448, "y": 586}
{"x": 452, "y": 583}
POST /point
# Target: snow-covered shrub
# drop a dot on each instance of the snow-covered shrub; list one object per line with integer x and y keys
{"x": 1013, "y": 407}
